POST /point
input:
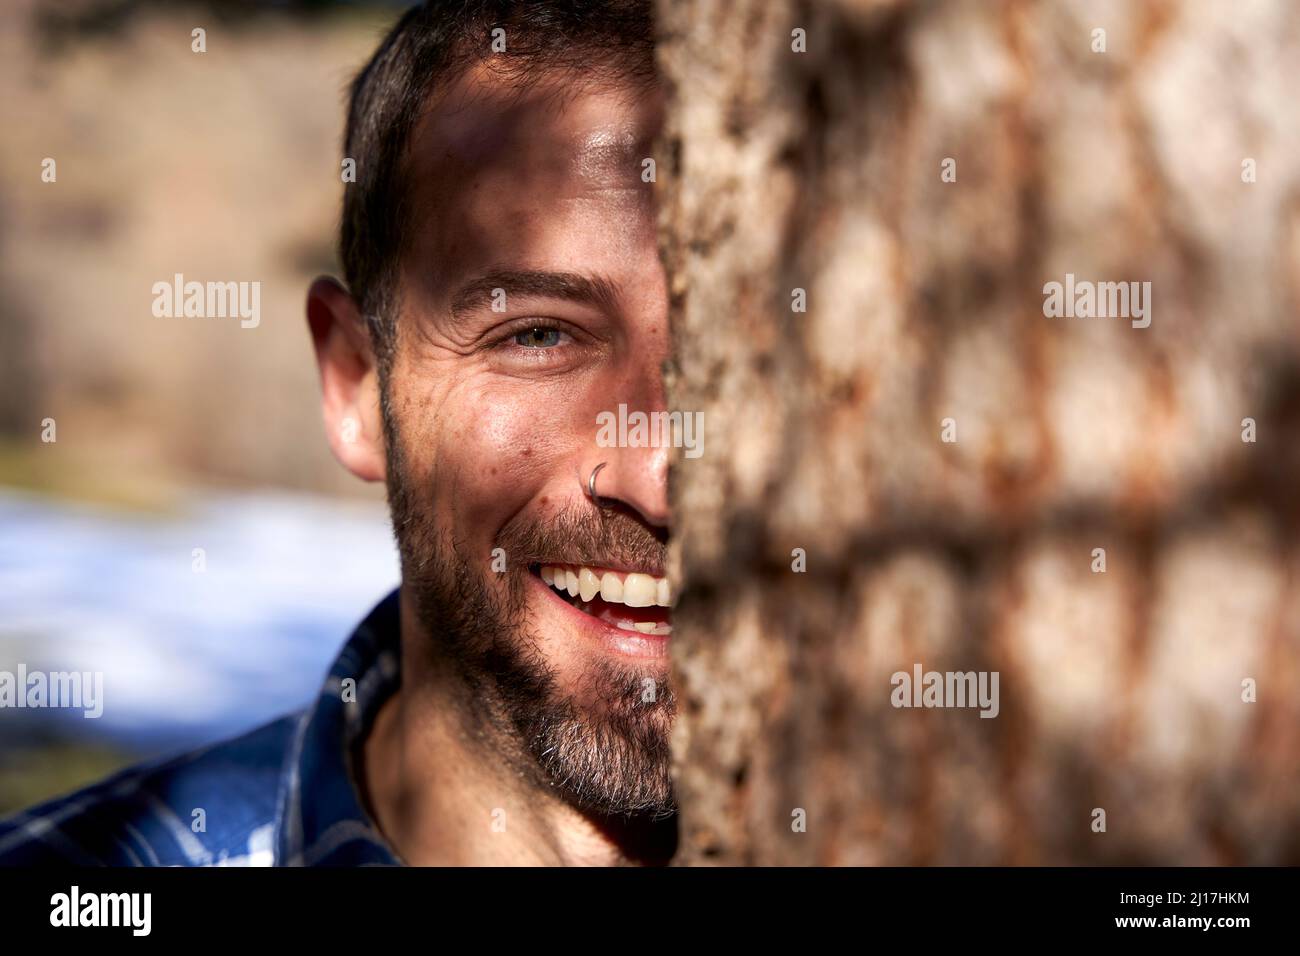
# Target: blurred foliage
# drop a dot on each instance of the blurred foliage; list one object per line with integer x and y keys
{"x": 45, "y": 769}
{"x": 58, "y": 27}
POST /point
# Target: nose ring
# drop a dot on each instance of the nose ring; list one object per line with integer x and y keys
{"x": 591, "y": 482}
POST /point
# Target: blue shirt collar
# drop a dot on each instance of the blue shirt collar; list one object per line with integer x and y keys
{"x": 320, "y": 820}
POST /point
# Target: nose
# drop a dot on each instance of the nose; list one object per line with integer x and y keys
{"x": 637, "y": 449}
{"x": 634, "y": 479}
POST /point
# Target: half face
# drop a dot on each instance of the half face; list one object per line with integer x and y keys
{"x": 532, "y": 300}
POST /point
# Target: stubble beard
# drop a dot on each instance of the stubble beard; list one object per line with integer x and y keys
{"x": 601, "y": 745}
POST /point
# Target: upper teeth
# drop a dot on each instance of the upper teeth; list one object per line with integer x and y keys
{"x": 634, "y": 590}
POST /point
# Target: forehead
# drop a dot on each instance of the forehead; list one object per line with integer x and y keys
{"x": 502, "y": 176}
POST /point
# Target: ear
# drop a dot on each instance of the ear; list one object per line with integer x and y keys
{"x": 349, "y": 379}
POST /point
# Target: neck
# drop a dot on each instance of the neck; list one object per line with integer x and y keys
{"x": 448, "y": 789}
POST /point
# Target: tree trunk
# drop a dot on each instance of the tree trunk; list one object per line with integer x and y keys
{"x": 1156, "y": 679}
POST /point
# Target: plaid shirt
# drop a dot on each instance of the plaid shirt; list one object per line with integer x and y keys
{"x": 280, "y": 795}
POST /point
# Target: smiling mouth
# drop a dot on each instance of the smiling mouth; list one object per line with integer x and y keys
{"x": 628, "y": 601}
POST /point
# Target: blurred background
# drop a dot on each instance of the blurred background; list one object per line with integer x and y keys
{"x": 171, "y": 434}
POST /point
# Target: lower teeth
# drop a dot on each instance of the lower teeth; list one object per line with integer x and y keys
{"x": 643, "y": 627}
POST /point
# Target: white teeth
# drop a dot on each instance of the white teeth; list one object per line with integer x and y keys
{"x": 636, "y": 589}
{"x": 611, "y": 588}
{"x": 639, "y": 590}
{"x": 645, "y": 627}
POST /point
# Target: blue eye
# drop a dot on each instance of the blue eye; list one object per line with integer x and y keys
{"x": 538, "y": 338}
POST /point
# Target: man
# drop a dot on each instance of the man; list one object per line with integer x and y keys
{"x": 509, "y": 705}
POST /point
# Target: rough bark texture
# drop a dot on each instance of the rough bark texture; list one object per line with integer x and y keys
{"x": 1120, "y": 690}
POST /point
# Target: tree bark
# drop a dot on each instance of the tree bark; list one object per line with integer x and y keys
{"x": 1125, "y": 689}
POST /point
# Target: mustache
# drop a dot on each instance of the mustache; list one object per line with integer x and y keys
{"x": 606, "y": 538}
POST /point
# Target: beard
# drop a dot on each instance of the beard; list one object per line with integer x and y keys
{"x": 602, "y": 744}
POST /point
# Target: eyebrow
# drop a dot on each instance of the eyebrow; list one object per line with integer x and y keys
{"x": 570, "y": 286}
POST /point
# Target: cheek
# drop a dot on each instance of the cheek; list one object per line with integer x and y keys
{"x": 513, "y": 445}
{"x": 494, "y": 451}
{"x": 481, "y": 447}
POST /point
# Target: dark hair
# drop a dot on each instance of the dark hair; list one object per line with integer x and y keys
{"x": 434, "y": 43}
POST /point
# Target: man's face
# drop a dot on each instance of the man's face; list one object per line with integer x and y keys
{"x": 533, "y": 299}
